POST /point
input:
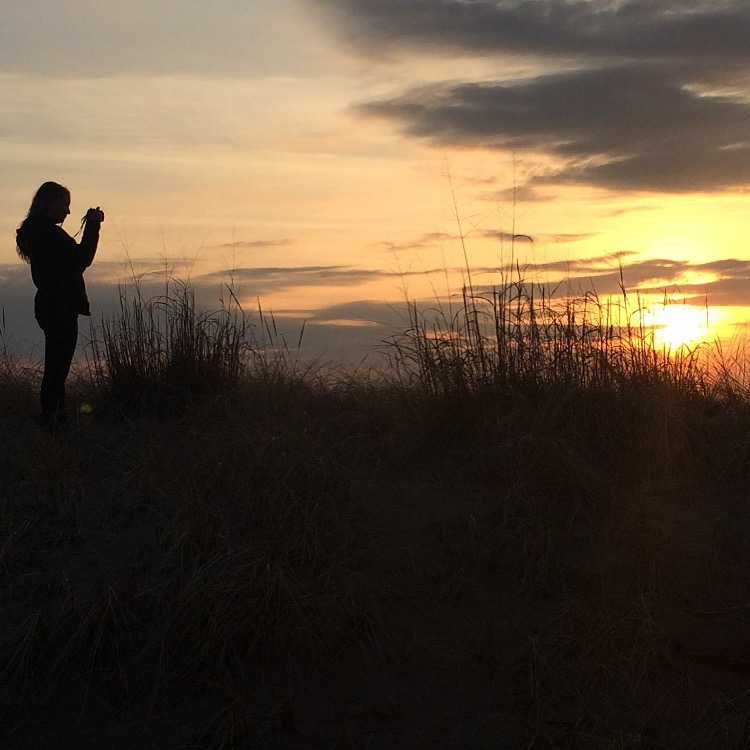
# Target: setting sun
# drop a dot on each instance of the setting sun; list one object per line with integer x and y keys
{"x": 675, "y": 325}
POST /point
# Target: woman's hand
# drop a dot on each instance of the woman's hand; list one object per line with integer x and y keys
{"x": 95, "y": 214}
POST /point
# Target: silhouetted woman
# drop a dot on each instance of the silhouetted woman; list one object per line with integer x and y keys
{"x": 57, "y": 266}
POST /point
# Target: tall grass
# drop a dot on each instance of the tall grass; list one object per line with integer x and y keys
{"x": 517, "y": 337}
{"x": 159, "y": 354}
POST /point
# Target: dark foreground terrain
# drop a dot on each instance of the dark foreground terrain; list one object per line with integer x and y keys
{"x": 290, "y": 566}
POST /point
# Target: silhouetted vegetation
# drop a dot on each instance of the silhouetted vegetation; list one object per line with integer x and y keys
{"x": 529, "y": 530}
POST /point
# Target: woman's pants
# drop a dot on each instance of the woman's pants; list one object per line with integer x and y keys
{"x": 60, "y": 338}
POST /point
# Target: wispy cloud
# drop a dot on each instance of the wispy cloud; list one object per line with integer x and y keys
{"x": 251, "y": 244}
{"x": 508, "y": 237}
{"x": 259, "y": 281}
{"x": 718, "y": 283}
{"x": 429, "y": 240}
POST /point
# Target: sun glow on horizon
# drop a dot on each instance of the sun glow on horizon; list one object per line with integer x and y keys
{"x": 675, "y": 326}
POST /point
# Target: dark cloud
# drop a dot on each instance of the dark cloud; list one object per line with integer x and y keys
{"x": 633, "y": 209}
{"x": 259, "y": 281}
{"x": 437, "y": 240}
{"x": 730, "y": 287}
{"x": 431, "y": 239}
{"x": 522, "y": 193}
{"x": 363, "y": 311}
{"x": 252, "y": 244}
{"x": 730, "y": 284}
{"x": 18, "y": 329}
{"x": 646, "y": 95}
{"x": 625, "y": 127}
{"x": 510, "y": 238}
{"x": 705, "y": 31}
{"x": 565, "y": 239}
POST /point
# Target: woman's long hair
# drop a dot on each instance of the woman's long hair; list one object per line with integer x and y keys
{"x": 43, "y": 199}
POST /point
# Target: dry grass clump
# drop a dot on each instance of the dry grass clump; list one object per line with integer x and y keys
{"x": 158, "y": 355}
{"x": 514, "y": 338}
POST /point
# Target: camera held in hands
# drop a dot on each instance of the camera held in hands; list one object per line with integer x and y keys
{"x": 94, "y": 214}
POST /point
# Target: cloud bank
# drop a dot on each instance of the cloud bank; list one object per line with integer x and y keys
{"x": 632, "y": 95}
{"x": 699, "y": 32}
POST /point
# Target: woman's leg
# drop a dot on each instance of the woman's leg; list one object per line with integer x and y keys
{"x": 60, "y": 338}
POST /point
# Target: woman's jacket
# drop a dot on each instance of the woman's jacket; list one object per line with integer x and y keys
{"x": 57, "y": 265}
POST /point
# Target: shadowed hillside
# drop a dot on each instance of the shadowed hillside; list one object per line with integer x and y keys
{"x": 529, "y": 532}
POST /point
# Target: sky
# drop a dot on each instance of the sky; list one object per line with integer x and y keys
{"x": 328, "y": 156}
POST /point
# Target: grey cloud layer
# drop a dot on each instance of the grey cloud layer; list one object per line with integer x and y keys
{"x": 624, "y": 127}
{"x": 647, "y": 95}
{"x": 687, "y": 30}
{"x": 656, "y": 276}
{"x": 260, "y": 281}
